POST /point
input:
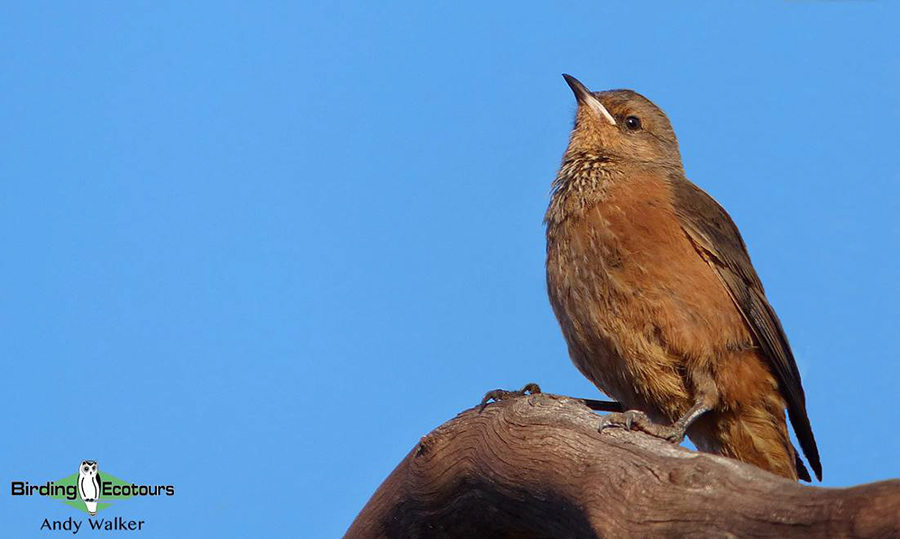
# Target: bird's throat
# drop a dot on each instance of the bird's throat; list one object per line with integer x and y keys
{"x": 581, "y": 183}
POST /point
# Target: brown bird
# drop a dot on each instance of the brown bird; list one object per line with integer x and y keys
{"x": 656, "y": 296}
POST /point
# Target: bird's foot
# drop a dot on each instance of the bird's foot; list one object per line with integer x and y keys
{"x": 500, "y": 394}
{"x": 636, "y": 419}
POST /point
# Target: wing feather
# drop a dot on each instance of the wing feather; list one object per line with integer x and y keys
{"x": 718, "y": 240}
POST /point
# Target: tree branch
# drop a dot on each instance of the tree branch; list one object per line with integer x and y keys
{"x": 535, "y": 466}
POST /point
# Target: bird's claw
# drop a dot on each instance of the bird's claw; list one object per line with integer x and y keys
{"x": 500, "y": 394}
{"x": 625, "y": 419}
{"x": 638, "y": 420}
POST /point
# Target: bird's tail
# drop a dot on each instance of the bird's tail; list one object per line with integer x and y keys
{"x": 755, "y": 435}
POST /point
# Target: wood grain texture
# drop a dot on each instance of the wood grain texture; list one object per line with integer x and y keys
{"x": 535, "y": 466}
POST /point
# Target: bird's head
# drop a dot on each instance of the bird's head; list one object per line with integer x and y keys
{"x": 621, "y": 126}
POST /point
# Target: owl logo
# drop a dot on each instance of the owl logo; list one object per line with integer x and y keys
{"x": 89, "y": 484}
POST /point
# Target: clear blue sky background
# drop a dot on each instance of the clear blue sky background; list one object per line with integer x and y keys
{"x": 257, "y": 250}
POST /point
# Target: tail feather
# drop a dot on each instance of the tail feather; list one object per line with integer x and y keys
{"x": 802, "y": 472}
{"x": 803, "y": 430}
{"x": 754, "y": 436}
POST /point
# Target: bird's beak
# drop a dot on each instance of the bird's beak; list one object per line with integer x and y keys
{"x": 586, "y": 98}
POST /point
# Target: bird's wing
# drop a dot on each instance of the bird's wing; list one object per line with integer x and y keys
{"x": 717, "y": 239}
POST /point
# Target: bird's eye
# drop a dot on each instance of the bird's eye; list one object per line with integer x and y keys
{"x": 633, "y": 123}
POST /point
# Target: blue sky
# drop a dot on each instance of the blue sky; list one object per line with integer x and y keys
{"x": 256, "y": 251}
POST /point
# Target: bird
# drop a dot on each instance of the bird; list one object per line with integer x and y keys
{"x": 89, "y": 485}
{"x": 656, "y": 296}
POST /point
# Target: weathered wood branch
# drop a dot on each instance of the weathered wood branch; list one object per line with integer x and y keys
{"x": 535, "y": 466}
